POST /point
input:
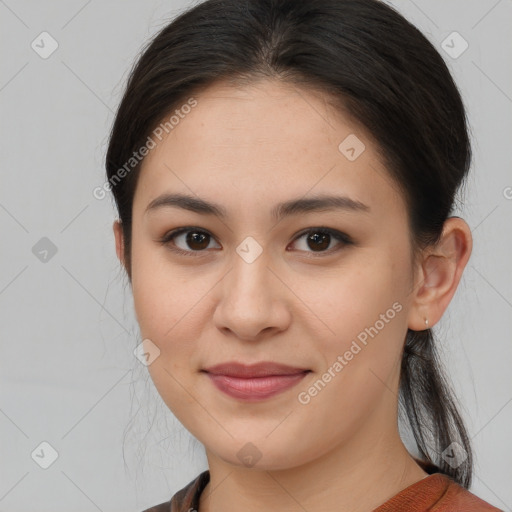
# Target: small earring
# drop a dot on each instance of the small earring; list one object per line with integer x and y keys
{"x": 426, "y": 322}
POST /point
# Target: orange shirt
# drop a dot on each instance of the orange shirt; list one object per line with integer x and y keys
{"x": 435, "y": 493}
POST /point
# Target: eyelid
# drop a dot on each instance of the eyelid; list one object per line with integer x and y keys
{"x": 341, "y": 237}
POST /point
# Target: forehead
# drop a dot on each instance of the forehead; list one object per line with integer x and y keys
{"x": 265, "y": 139}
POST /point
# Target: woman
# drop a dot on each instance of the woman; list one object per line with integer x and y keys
{"x": 285, "y": 174}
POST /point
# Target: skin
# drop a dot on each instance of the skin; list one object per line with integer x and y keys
{"x": 247, "y": 149}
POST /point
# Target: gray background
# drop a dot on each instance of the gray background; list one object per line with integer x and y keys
{"x": 68, "y": 373}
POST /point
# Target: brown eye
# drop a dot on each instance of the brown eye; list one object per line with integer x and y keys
{"x": 196, "y": 240}
{"x": 187, "y": 240}
{"x": 319, "y": 240}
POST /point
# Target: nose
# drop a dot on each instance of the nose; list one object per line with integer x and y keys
{"x": 253, "y": 301}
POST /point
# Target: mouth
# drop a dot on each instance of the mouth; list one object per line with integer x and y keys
{"x": 255, "y": 382}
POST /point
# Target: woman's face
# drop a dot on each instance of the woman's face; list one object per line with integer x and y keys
{"x": 265, "y": 282}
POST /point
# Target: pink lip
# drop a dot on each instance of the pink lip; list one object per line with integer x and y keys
{"x": 254, "y": 382}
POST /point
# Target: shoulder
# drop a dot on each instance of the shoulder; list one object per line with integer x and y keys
{"x": 185, "y": 499}
{"x": 460, "y": 499}
{"x": 436, "y": 493}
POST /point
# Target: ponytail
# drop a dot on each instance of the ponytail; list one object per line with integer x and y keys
{"x": 427, "y": 398}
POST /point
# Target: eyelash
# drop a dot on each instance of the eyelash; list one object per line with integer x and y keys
{"x": 337, "y": 235}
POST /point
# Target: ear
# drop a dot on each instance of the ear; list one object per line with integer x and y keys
{"x": 118, "y": 234}
{"x": 438, "y": 274}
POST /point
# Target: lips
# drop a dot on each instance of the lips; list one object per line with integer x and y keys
{"x": 263, "y": 369}
{"x": 254, "y": 382}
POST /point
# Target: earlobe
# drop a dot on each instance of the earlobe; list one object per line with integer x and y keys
{"x": 439, "y": 274}
{"x": 119, "y": 238}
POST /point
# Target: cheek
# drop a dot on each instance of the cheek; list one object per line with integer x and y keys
{"x": 167, "y": 310}
{"x": 159, "y": 295}
{"x": 347, "y": 301}
{"x": 364, "y": 310}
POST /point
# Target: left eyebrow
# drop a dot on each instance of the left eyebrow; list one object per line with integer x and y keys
{"x": 285, "y": 209}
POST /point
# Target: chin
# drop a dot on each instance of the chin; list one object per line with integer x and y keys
{"x": 268, "y": 455}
